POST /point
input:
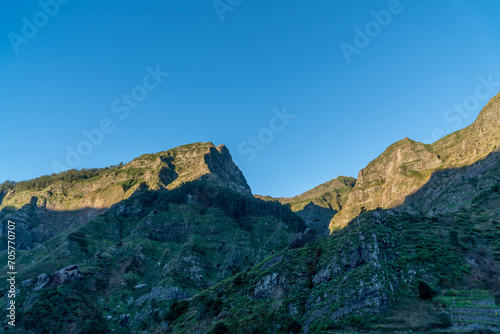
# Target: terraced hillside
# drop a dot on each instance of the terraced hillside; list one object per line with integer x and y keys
{"x": 472, "y": 309}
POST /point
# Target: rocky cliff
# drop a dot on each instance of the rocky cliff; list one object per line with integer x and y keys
{"x": 407, "y": 165}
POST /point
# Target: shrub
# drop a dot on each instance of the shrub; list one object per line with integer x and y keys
{"x": 177, "y": 309}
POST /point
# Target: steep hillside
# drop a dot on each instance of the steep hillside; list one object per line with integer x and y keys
{"x": 459, "y": 188}
{"x": 318, "y": 205}
{"x": 330, "y": 195}
{"x": 174, "y": 242}
{"x": 388, "y": 270}
{"x": 69, "y": 199}
{"x": 407, "y": 165}
{"x": 154, "y": 247}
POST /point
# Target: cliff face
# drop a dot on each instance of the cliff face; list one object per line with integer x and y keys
{"x": 400, "y": 170}
{"x": 407, "y": 165}
{"x": 170, "y": 169}
{"x": 456, "y": 189}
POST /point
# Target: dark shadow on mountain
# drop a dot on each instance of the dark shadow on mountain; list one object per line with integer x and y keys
{"x": 36, "y": 224}
{"x": 452, "y": 189}
{"x": 317, "y": 218}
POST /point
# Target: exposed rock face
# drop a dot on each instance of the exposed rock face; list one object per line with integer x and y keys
{"x": 163, "y": 293}
{"x": 223, "y": 170}
{"x": 455, "y": 189}
{"x": 475, "y": 142}
{"x": 42, "y": 280}
{"x": 269, "y": 287}
{"x": 192, "y": 162}
{"x": 66, "y": 274}
{"x": 399, "y": 171}
{"x": 407, "y": 165}
{"x": 27, "y": 283}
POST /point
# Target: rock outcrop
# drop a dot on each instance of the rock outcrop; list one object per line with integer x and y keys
{"x": 66, "y": 274}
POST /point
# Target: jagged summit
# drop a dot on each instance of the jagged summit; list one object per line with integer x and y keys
{"x": 101, "y": 188}
{"x": 191, "y": 162}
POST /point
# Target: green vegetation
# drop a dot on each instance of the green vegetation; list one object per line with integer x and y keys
{"x": 43, "y": 182}
{"x": 197, "y": 232}
{"x": 419, "y": 259}
{"x": 181, "y": 252}
{"x": 127, "y": 184}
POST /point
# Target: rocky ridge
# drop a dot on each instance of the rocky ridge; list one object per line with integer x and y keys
{"x": 57, "y": 205}
{"x": 407, "y": 165}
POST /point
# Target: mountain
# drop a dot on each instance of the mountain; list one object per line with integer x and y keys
{"x": 330, "y": 195}
{"x": 424, "y": 257}
{"x": 318, "y": 205}
{"x": 407, "y": 165}
{"x": 163, "y": 227}
{"x": 429, "y": 265}
{"x": 48, "y": 205}
{"x": 174, "y": 242}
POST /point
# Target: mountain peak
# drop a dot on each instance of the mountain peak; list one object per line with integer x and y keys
{"x": 101, "y": 188}
{"x": 191, "y": 162}
{"x": 405, "y": 166}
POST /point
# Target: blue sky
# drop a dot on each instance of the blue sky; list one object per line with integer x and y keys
{"x": 235, "y": 68}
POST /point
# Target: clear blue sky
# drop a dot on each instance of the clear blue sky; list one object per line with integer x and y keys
{"x": 227, "y": 76}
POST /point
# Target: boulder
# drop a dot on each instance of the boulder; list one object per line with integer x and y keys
{"x": 66, "y": 274}
{"x": 41, "y": 281}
